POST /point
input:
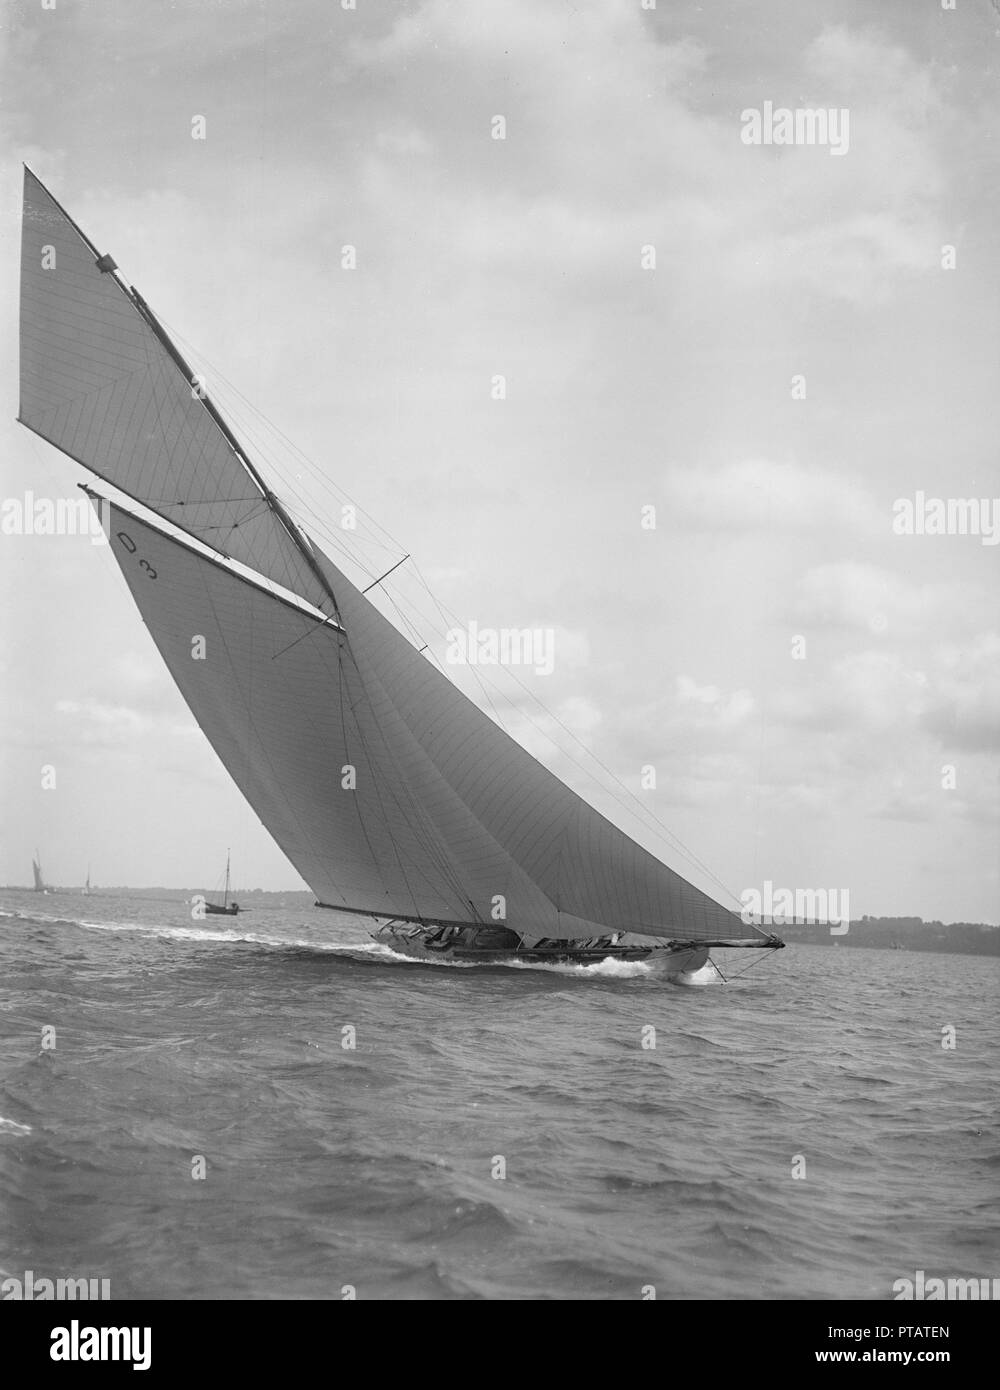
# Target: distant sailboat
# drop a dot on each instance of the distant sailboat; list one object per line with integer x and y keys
{"x": 452, "y": 835}
{"x": 86, "y": 886}
{"x": 36, "y": 868}
{"x": 226, "y": 908}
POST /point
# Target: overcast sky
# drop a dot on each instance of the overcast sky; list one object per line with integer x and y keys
{"x": 626, "y": 387}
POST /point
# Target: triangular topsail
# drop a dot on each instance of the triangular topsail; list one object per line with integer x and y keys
{"x": 101, "y": 381}
{"x": 389, "y": 791}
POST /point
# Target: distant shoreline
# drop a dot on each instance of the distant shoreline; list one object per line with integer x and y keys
{"x": 899, "y": 933}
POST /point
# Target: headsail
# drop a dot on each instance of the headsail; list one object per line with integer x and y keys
{"x": 583, "y": 864}
{"x": 101, "y": 381}
{"x": 389, "y": 791}
{"x": 36, "y": 869}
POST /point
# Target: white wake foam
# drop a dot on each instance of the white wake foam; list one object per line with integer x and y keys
{"x": 12, "y": 1127}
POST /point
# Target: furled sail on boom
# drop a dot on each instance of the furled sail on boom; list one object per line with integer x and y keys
{"x": 387, "y": 788}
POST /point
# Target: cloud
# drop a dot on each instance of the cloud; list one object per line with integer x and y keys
{"x": 705, "y": 706}
{"x": 887, "y": 706}
{"x": 631, "y": 161}
{"x": 522, "y": 257}
{"x": 760, "y": 494}
{"x": 98, "y": 723}
{"x": 863, "y": 691}
{"x": 964, "y": 708}
{"x": 851, "y": 596}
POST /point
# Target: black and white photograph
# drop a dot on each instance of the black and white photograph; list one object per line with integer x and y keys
{"x": 499, "y": 540}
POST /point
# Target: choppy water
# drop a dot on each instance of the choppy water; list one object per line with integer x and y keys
{"x": 625, "y": 1166}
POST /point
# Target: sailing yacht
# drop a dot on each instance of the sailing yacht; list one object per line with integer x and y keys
{"x": 36, "y": 868}
{"x": 393, "y": 795}
{"x": 225, "y": 908}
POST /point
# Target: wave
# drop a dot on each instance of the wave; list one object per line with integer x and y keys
{"x": 603, "y": 969}
{"x": 205, "y": 934}
{"x": 12, "y": 1127}
{"x": 609, "y": 968}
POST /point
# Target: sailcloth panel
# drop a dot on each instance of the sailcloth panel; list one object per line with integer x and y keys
{"x": 98, "y": 383}
{"x": 287, "y": 708}
{"x": 585, "y": 865}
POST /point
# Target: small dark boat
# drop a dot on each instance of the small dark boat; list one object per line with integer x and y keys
{"x": 225, "y": 908}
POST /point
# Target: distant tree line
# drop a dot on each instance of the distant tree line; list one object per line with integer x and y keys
{"x": 900, "y": 933}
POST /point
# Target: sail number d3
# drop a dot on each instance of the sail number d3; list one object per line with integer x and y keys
{"x": 130, "y": 546}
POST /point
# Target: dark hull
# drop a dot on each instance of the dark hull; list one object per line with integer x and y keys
{"x": 214, "y": 910}
{"x": 497, "y": 946}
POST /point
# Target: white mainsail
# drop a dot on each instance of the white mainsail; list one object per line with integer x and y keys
{"x": 388, "y": 789}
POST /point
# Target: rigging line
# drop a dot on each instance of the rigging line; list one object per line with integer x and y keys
{"x": 237, "y": 449}
{"x": 190, "y": 502}
{"x": 314, "y": 468}
{"x": 320, "y": 476}
{"x": 258, "y": 509}
{"x": 320, "y": 622}
{"x": 672, "y": 840}
{"x": 329, "y": 536}
{"x": 350, "y": 759}
{"x": 154, "y": 374}
{"x": 320, "y": 527}
{"x": 275, "y": 781}
{"x": 323, "y": 480}
{"x": 397, "y": 600}
{"x": 430, "y": 846}
{"x": 421, "y": 825}
{"x": 302, "y": 505}
{"x": 672, "y": 837}
{"x": 480, "y": 680}
{"x": 386, "y": 575}
{"x": 427, "y": 647}
{"x": 232, "y": 526}
{"x": 634, "y": 805}
{"x": 768, "y": 960}
{"x": 443, "y": 861}
{"x": 373, "y": 773}
{"x": 631, "y": 806}
{"x": 154, "y": 379}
